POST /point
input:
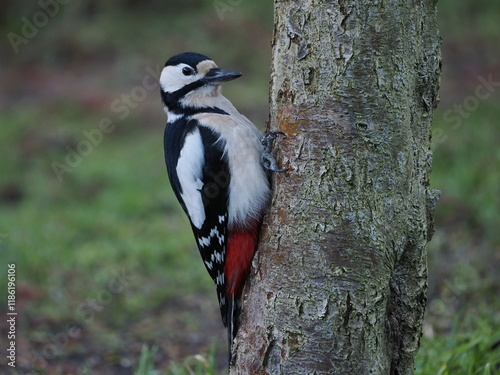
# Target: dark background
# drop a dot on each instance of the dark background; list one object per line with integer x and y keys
{"x": 105, "y": 261}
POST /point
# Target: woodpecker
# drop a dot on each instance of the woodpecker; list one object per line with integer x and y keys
{"x": 217, "y": 164}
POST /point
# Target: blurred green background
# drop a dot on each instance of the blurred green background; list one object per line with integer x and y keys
{"x": 108, "y": 278}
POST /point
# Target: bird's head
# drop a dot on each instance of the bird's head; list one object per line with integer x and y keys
{"x": 190, "y": 75}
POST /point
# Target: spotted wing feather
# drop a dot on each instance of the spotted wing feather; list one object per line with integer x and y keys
{"x": 212, "y": 237}
{"x": 199, "y": 175}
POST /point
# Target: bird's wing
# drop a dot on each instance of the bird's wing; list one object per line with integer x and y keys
{"x": 203, "y": 176}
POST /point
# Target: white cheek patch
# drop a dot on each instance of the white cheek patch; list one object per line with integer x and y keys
{"x": 189, "y": 172}
{"x": 172, "y": 79}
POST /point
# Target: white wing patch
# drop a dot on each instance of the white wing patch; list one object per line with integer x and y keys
{"x": 189, "y": 172}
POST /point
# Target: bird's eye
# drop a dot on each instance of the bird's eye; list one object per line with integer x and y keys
{"x": 187, "y": 71}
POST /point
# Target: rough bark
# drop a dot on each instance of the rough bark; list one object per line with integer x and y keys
{"x": 339, "y": 282}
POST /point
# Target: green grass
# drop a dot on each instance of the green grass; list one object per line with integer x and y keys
{"x": 471, "y": 348}
{"x": 145, "y": 366}
{"x": 463, "y": 319}
{"x": 196, "y": 364}
{"x": 466, "y": 165}
{"x": 455, "y": 16}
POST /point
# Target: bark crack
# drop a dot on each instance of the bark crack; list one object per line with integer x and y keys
{"x": 348, "y": 310}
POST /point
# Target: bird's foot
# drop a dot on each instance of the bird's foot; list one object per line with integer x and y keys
{"x": 268, "y": 160}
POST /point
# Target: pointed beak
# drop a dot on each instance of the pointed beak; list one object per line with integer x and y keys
{"x": 216, "y": 75}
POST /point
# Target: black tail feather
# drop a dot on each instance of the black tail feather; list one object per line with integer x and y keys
{"x": 233, "y": 316}
{"x": 229, "y": 327}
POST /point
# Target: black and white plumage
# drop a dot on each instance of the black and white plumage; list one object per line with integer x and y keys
{"x": 214, "y": 162}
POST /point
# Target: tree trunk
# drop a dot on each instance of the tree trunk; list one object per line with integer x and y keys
{"x": 339, "y": 282}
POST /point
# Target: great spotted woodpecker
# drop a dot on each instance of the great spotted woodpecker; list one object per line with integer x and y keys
{"x": 216, "y": 164}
